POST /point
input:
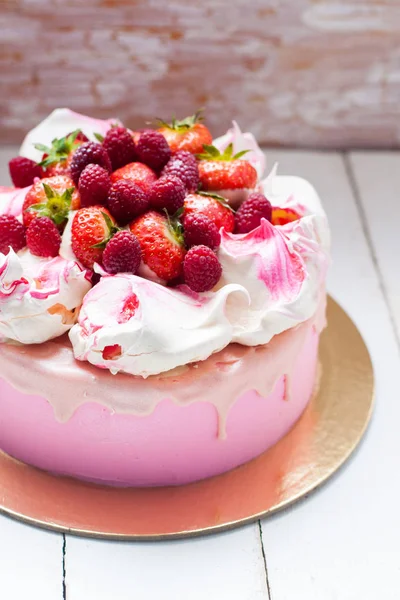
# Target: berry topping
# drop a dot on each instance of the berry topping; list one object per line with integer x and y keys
{"x": 161, "y": 243}
{"x": 92, "y": 227}
{"x": 281, "y": 216}
{"x": 122, "y": 253}
{"x": 43, "y": 238}
{"x": 250, "y": 213}
{"x": 167, "y": 193}
{"x": 94, "y": 185}
{"x": 188, "y": 134}
{"x": 23, "y": 171}
{"x": 201, "y": 269}
{"x": 219, "y": 171}
{"x": 213, "y": 206}
{"x": 152, "y": 149}
{"x": 200, "y": 230}
{"x": 87, "y": 154}
{"x": 51, "y": 197}
{"x": 120, "y": 147}
{"x": 137, "y": 172}
{"x": 184, "y": 166}
{"x": 57, "y": 158}
{"x": 127, "y": 200}
{"x": 12, "y": 233}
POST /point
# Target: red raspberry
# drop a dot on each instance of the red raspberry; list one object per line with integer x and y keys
{"x": 126, "y": 201}
{"x": 167, "y": 192}
{"x": 201, "y": 231}
{"x": 12, "y": 233}
{"x": 94, "y": 185}
{"x": 201, "y": 269}
{"x": 184, "y": 165}
{"x": 120, "y": 147}
{"x": 250, "y": 213}
{"x": 122, "y": 253}
{"x": 23, "y": 171}
{"x": 153, "y": 150}
{"x": 89, "y": 153}
{"x": 43, "y": 237}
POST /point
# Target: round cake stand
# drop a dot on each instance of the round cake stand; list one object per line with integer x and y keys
{"x": 316, "y": 447}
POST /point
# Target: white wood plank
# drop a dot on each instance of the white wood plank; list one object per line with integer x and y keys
{"x": 377, "y": 179}
{"x": 222, "y": 567}
{"x": 31, "y": 564}
{"x": 342, "y": 543}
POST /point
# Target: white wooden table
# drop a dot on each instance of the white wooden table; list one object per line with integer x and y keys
{"x": 343, "y": 542}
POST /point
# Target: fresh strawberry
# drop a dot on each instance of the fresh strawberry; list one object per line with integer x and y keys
{"x": 137, "y": 172}
{"x": 225, "y": 170}
{"x": 57, "y": 157}
{"x": 51, "y": 197}
{"x": 213, "y": 206}
{"x": 281, "y": 216}
{"x": 189, "y": 134}
{"x": 161, "y": 242}
{"x": 92, "y": 228}
{"x": 23, "y": 171}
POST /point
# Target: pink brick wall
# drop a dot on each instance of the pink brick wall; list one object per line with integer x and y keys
{"x": 295, "y": 72}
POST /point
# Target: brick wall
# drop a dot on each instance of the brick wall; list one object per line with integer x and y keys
{"x": 295, "y": 72}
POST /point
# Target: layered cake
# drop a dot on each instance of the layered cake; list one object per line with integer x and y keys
{"x": 161, "y": 301}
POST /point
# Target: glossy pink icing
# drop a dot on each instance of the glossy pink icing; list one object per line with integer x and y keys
{"x": 191, "y": 423}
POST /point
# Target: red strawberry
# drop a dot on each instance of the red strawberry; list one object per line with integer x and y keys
{"x": 92, "y": 228}
{"x": 12, "y": 233}
{"x": 188, "y": 134}
{"x": 57, "y": 158}
{"x": 225, "y": 171}
{"x": 137, "y": 172}
{"x": 52, "y": 197}
{"x": 43, "y": 238}
{"x": 23, "y": 171}
{"x": 161, "y": 242}
{"x": 213, "y": 206}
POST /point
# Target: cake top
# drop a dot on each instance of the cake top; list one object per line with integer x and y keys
{"x": 154, "y": 248}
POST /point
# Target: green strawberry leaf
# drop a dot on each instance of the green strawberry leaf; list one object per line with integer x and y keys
{"x": 183, "y": 124}
{"x": 59, "y": 150}
{"x": 99, "y": 137}
{"x": 212, "y": 153}
{"x": 218, "y": 198}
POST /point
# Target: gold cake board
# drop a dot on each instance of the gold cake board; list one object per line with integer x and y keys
{"x": 316, "y": 447}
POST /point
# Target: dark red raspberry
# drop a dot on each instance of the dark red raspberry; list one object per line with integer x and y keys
{"x": 43, "y": 237}
{"x": 201, "y": 269}
{"x": 250, "y": 213}
{"x": 167, "y": 192}
{"x": 120, "y": 147}
{"x": 153, "y": 150}
{"x": 126, "y": 201}
{"x": 122, "y": 253}
{"x": 201, "y": 231}
{"x": 94, "y": 185}
{"x": 12, "y": 233}
{"x": 184, "y": 165}
{"x": 23, "y": 171}
{"x": 89, "y": 153}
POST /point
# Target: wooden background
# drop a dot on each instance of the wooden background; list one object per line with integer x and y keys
{"x": 295, "y": 72}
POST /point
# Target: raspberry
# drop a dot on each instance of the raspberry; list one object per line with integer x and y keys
{"x": 201, "y": 269}
{"x": 167, "y": 192}
{"x": 201, "y": 231}
{"x": 89, "y": 153}
{"x": 126, "y": 201}
{"x": 94, "y": 185}
{"x": 250, "y": 213}
{"x": 23, "y": 171}
{"x": 43, "y": 237}
{"x": 122, "y": 253}
{"x": 184, "y": 165}
{"x": 12, "y": 233}
{"x": 153, "y": 150}
{"x": 120, "y": 147}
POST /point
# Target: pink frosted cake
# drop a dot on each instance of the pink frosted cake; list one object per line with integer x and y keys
{"x": 161, "y": 301}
